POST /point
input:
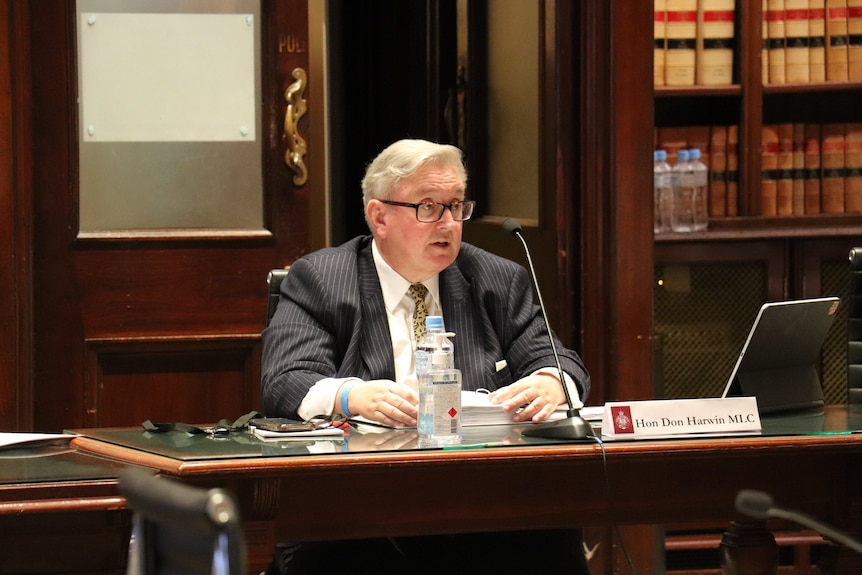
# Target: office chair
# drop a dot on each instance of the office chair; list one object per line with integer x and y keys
{"x": 854, "y": 329}
{"x": 178, "y": 529}
{"x": 273, "y": 282}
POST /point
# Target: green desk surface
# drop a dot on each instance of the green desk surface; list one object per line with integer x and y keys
{"x": 183, "y": 446}
{"x": 53, "y": 463}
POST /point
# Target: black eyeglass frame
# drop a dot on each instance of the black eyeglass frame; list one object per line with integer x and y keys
{"x": 464, "y": 205}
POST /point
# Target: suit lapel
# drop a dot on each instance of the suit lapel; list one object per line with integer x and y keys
{"x": 464, "y": 317}
{"x": 376, "y": 342}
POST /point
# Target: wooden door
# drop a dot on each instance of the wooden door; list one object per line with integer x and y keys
{"x": 161, "y": 324}
{"x": 516, "y": 128}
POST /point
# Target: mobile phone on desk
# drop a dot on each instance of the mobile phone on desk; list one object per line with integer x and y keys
{"x": 281, "y": 424}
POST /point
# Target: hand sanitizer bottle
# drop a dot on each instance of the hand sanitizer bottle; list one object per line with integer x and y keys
{"x": 426, "y": 346}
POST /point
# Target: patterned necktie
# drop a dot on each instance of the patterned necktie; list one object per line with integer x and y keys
{"x": 418, "y": 293}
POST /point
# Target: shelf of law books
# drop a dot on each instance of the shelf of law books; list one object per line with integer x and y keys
{"x": 809, "y": 168}
{"x": 769, "y": 92}
{"x": 695, "y": 43}
{"x": 810, "y": 42}
{"x": 802, "y": 42}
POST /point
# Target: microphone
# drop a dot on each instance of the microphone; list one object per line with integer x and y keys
{"x": 758, "y": 505}
{"x": 573, "y": 426}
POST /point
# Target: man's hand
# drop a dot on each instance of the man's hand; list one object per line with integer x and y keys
{"x": 532, "y": 398}
{"x": 383, "y": 400}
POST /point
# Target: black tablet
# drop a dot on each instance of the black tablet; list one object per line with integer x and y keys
{"x": 778, "y": 363}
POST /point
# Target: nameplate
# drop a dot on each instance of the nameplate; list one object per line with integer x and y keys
{"x": 675, "y": 417}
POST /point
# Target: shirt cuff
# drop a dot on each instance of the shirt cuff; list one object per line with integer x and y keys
{"x": 320, "y": 399}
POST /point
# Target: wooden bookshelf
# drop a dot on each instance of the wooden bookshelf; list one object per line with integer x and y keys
{"x": 745, "y": 259}
{"x": 750, "y": 104}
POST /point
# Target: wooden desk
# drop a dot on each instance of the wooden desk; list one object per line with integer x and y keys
{"x": 60, "y": 512}
{"x": 516, "y": 484}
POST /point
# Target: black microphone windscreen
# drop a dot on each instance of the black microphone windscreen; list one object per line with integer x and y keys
{"x": 756, "y": 504}
{"x": 511, "y": 226}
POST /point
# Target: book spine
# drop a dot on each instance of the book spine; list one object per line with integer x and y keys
{"x": 698, "y": 137}
{"x": 732, "y": 170}
{"x": 853, "y": 166}
{"x": 775, "y": 25}
{"x": 769, "y": 171}
{"x": 784, "y": 186}
{"x": 659, "y": 31}
{"x": 715, "y": 41}
{"x": 817, "y": 40}
{"x": 798, "y": 169}
{"x": 812, "y": 168}
{"x": 680, "y": 55}
{"x": 671, "y": 140}
{"x": 854, "y": 39}
{"x": 764, "y": 43}
{"x": 796, "y": 49}
{"x": 836, "y": 41}
{"x": 832, "y": 158}
{"x": 718, "y": 172}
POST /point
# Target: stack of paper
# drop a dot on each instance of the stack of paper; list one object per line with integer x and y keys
{"x": 477, "y": 409}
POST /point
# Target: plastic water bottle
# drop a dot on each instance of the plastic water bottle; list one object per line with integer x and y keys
{"x": 662, "y": 192}
{"x": 440, "y": 397}
{"x": 700, "y": 176}
{"x": 682, "y": 214}
{"x": 428, "y": 344}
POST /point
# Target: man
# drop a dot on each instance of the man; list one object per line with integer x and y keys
{"x": 342, "y": 338}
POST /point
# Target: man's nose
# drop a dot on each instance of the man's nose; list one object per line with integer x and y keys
{"x": 446, "y": 218}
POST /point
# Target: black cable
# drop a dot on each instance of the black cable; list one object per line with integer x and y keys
{"x": 613, "y": 510}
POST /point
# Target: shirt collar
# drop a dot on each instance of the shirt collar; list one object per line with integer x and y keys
{"x": 394, "y": 285}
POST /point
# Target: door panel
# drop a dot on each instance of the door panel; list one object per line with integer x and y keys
{"x": 162, "y": 325}
{"x": 529, "y": 105}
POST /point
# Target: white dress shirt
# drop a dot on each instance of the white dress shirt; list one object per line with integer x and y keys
{"x": 320, "y": 399}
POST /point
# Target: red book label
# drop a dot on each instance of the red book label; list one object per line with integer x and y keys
{"x": 682, "y": 16}
{"x": 833, "y": 146}
{"x": 797, "y": 15}
{"x": 718, "y": 16}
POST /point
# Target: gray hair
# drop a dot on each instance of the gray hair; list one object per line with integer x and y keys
{"x": 402, "y": 160}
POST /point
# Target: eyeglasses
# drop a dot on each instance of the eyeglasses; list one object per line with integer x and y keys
{"x": 430, "y": 212}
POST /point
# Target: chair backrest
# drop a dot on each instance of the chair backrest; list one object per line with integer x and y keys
{"x": 273, "y": 282}
{"x": 180, "y": 529}
{"x": 854, "y": 329}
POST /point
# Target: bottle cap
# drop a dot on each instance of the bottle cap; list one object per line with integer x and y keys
{"x": 439, "y": 357}
{"x": 660, "y": 155}
{"x": 694, "y": 153}
{"x": 434, "y": 322}
{"x": 682, "y": 155}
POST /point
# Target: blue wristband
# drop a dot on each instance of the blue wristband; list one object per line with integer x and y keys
{"x": 345, "y": 391}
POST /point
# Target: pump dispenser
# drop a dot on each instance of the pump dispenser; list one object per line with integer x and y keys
{"x": 440, "y": 397}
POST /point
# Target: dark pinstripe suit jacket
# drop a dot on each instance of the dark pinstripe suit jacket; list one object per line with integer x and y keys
{"x": 331, "y": 322}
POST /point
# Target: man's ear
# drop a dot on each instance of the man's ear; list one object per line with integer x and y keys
{"x": 375, "y": 214}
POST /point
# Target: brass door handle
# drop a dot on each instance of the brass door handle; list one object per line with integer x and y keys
{"x": 297, "y": 148}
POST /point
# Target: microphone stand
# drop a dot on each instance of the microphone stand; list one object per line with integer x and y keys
{"x": 573, "y": 426}
{"x": 759, "y": 505}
